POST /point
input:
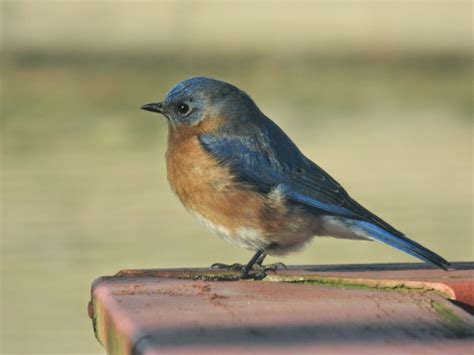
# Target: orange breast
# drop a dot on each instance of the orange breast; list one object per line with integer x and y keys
{"x": 207, "y": 188}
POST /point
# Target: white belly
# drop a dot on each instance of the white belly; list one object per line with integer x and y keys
{"x": 248, "y": 238}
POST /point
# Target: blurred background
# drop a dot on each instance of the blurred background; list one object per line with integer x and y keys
{"x": 379, "y": 93}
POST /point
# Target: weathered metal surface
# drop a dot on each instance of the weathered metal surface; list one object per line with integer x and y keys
{"x": 304, "y": 310}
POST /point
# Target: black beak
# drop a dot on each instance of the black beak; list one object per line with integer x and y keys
{"x": 157, "y": 107}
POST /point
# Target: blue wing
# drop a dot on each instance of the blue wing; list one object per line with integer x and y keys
{"x": 265, "y": 157}
{"x": 262, "y": 155}
{"x": 259, "y": 153}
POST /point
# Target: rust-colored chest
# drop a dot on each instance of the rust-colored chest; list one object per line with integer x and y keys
{"x": 192, "y": 173}
{"x": 206, "y": 187}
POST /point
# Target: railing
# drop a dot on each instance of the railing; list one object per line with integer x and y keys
{"x": 396, "y": 308}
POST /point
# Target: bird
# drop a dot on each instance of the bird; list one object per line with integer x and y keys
{"x": 242, "y": 177}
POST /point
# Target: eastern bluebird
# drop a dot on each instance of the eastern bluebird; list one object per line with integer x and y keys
{"x": 241, "y": 176}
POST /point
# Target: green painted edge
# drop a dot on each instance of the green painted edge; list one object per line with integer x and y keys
{"x": 105, "y": 331}
{"x": 446, "y": 314}
{"x": 361, "y": 284}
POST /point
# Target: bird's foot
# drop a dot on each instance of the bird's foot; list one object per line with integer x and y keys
{"x": 244, "y": 272}
{"x": 260, "y": 271}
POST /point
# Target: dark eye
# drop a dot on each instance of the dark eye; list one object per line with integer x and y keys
{"x": 182, "y": 108}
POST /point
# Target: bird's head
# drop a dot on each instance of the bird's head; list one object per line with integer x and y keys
{"x": 193, "y": 100}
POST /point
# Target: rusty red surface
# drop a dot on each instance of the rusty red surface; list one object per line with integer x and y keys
{"x": 170, "y": 311}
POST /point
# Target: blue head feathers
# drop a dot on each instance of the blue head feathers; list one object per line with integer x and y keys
{"x": 191, "y": 100}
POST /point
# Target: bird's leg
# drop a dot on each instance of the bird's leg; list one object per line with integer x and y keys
{"x": 261, "y": 258}
{"x": 244, "y": 273}
{"x": 257, "y": 259}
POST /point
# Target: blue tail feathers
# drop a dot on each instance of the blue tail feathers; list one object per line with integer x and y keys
{"x": 402, "y": 243}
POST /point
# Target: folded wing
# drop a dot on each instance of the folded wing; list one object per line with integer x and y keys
{"x": 263, "y": 156}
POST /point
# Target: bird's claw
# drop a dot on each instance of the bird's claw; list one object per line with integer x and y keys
{"x": 272, "y": 267}
{"x": 260, "y": 270}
